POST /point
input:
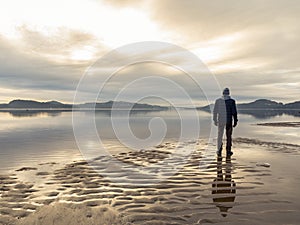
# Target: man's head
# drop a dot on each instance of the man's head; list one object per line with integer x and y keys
{"x": 226, "y": 91}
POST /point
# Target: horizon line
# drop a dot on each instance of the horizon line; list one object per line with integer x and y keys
{"x": 181, "y": 105}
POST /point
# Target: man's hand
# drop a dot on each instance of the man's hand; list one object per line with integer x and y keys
{"x": 216, "y": 123}
{"x": 235, "y": 124}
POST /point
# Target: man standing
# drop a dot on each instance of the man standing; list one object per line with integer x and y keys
{"x": 224, "y": 112}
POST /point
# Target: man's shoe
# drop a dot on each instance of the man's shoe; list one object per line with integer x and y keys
{"x": 219, "y": 153}
{"x": 229, "y": 153}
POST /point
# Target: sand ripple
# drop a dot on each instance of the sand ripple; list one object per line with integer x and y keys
{"x": 195, "y": 194}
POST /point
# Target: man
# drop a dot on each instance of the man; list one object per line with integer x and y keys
{"x": 224, "y": 114}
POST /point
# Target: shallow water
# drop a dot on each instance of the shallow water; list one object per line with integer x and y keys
{"x": 30, "y": 138}
{"x": 157, "y": 185}
{"x": 219, "y": 191}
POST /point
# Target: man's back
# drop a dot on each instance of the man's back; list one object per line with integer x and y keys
{"x": 225, "y": 110}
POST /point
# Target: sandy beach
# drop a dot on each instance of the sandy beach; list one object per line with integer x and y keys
{"x": 240, "y": 190}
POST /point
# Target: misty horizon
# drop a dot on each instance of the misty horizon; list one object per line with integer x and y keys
{"x": 140, "y": 102}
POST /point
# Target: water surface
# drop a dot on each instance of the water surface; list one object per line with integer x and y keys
{"x": 28, "y": 137}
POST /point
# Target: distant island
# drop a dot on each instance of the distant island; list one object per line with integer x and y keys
{"x": 261, "y": 108}
{"x": 55, "y": 105}
{"x": 261, "y": 104}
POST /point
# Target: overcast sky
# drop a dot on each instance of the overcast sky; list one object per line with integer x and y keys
{"x": 252, "y": 47}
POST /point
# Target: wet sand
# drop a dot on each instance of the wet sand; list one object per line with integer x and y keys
{"x": 202, "y": 190}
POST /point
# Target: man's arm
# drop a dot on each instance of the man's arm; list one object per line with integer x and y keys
{"x": 234, "y": 114}
{"x": 215, "y": 113}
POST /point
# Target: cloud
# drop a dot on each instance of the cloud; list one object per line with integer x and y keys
{"x": 38, "y": 64}
{"x": 124, "y": 3}
{"x": 254, "y": 63}
{"x": 134, "y": 76}
{"x": 269, "y": 29}
{"x": 248, "y": 44}
{"x": 201, "y": 20}
{"x": 58, "y": 44}
{"x": 251, "y": 46}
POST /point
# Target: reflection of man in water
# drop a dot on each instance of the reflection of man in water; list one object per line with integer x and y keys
{"x": 224, "y": 112}
{"x": 224, "y": 188}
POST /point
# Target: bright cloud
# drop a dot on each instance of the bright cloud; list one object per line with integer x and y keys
{"x": 251, "y": 46}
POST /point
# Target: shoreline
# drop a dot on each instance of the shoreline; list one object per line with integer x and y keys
{"x": 280, "y": 124}
{"x": 76, "y": 192}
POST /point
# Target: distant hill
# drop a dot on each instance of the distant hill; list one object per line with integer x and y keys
{"x": 120, "y": 105}
{"x": 263, "y": 108}
{"x": 293, "y": 105}
{"x": 30, "y": 104}
{"x": 261, "y": 104}
{"x": 258, "y": 108}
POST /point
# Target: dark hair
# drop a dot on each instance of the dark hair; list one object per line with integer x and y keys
{"x": 226, "y": 91}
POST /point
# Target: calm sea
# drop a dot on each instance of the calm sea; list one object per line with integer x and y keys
{"x": 29, "y": 138}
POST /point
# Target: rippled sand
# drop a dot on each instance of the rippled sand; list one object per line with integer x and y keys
{"x": 140, "y": 190}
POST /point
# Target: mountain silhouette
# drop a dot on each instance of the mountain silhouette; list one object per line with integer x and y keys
{"x": 31, "y": 104}
{"x": 263, "y": 108}
{"x": 261, "y": 104}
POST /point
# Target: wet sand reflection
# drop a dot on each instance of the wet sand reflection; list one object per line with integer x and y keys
{"x": 223, "y": 187}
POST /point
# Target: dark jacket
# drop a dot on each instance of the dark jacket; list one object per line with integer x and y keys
{"x": 225, "y": 111}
